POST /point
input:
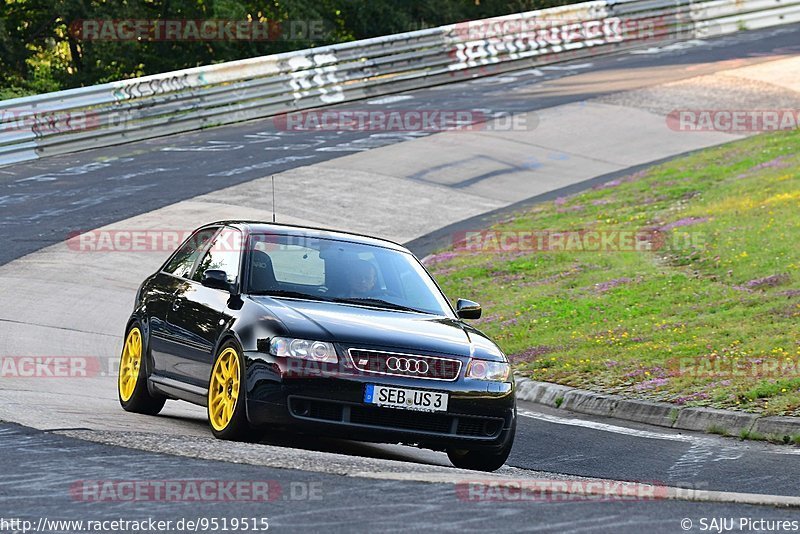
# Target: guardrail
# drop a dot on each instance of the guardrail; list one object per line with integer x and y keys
{"x": 180, "y": 101}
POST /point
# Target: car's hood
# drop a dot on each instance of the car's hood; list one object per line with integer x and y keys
{"x": 379, "y": 328}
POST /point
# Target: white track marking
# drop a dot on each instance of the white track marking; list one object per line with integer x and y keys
{"x": 647, "y": 434}
{"x": 594, "y": 425}
{"x": 568, "y": 67}
{"x": 389, "y": 100}
{"x": 534, "y": 72}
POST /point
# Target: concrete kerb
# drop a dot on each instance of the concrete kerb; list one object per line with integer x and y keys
{"x": 726, "y": 422}
{"x": 710, "y": 420}
{"x": 777, "y": 427}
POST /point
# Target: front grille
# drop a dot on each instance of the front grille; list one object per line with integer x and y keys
{"x": 325, "y": 410}
{"x": 421, "y": 421}
{"x": 410, "y": 365}
{"x": 392, "y": 419}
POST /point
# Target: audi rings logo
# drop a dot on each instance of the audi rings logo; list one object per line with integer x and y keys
{"x": 407, "y": 365}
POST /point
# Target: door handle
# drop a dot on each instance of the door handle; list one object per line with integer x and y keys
{"x": 176, "y": 304}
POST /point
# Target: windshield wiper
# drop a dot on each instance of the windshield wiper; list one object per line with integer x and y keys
{"x": 292, "y": 294}
{"x": 380, "y": 303}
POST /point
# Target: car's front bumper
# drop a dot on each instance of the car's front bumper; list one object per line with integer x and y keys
{"x": 330, "y": 401}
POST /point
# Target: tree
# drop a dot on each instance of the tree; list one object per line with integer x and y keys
{"x": 43, "y": 49}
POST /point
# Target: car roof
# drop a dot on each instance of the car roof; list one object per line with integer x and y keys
{"x": 258, "y": 227}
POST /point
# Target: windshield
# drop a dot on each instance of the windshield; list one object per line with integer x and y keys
{"x": 339, "y": 271}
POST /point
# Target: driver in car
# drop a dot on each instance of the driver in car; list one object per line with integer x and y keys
{"x": 361, "y": 279}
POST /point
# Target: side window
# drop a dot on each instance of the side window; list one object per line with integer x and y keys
{"x": 181, "y": 264}
{"x": 224, "y": 255}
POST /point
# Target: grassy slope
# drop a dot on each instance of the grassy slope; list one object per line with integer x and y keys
{"x": 703, "y": 323}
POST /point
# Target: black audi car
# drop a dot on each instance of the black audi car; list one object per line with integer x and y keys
{"x": 332, "y": 333}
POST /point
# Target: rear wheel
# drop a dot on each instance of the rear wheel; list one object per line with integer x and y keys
{"x": 226, "y": 397}
{"x": 132, "y": 382}
{"x": 481, "y": 460}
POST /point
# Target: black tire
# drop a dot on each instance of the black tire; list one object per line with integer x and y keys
{"x": 237, "y": 428}
{"x": 140, "y": 400}
{"x": 482, "y": 460}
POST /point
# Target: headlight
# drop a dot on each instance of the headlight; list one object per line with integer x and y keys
{"x": 485, "y": 370}
{"x": 317, "y": 351}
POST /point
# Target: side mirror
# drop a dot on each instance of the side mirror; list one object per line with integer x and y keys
{"x": 466, "y": 309}
{"x": 216, "y": 279}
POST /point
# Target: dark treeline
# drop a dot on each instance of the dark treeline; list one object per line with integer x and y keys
{"x": 42, "y": 48}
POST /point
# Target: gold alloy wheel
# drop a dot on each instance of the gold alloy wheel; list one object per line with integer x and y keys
{"x": 223, "y": 391}
{"x": 130, "y": 363}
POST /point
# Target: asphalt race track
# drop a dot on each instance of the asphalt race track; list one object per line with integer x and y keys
{"x": 45, "y": 200}
{"x": 361, "y": 487}
{"x": 348, "y": 504}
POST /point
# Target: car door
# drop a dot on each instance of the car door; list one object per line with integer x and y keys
{"x": 172, "y": 279}
{"x": 199, "y": 314}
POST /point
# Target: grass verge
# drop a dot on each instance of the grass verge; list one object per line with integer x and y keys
{"x": 702, "y": 309}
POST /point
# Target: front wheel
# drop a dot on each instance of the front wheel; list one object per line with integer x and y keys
{"x": 481, "y": 460}
{"x": 132, "y": 383}
{"x": 226, "y": 397}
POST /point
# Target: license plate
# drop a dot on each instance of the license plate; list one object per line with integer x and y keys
{"x": 406, "y": 399}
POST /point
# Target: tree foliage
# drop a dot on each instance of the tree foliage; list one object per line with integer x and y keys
{"x": 39, "y": 52}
